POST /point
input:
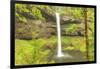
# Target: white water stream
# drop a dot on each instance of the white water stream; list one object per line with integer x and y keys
{"x": 59, "y": 48}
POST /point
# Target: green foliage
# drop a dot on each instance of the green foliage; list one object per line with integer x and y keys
{"x": 77, "y": 13}
{"x": 40, "y": 50}
{"x": 71, "y": 28}
{"x": 19, "y": 9}
{"x": 33, "y": 51}
{"x": 73, "y": 43}
{"x": 30, "y": 10}
{"x": 36, "y": 12}
{"x": 23, "y": 51}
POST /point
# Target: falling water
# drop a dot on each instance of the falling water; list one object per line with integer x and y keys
{"x": 59, "y": 49}
{"x": 59, "y": 52}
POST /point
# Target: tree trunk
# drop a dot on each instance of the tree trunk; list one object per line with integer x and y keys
{"x": 86, "y": 32}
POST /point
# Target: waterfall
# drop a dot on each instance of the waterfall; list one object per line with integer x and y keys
{"x": 59, "y": 49}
